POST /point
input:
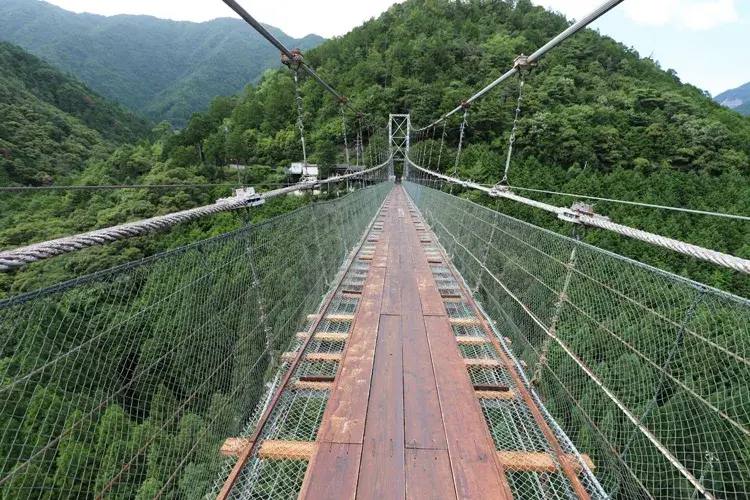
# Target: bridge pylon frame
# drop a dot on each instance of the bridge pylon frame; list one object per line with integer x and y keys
{"x": 399, "y": 131}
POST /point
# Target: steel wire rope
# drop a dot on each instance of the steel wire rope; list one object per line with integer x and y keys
{"x": 634, "y": 203}
{"x": 569, "y": 215}
{"x": 570, "y": 31}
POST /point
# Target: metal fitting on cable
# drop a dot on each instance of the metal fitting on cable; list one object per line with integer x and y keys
{"x": 296, "y": 60}
{"x": 574, "y": 213}
{"x": 500, "y": 187}
{"x": 522, "y": 62}
{"x": 465, "y": 104}
{"x": 342, "y": 100}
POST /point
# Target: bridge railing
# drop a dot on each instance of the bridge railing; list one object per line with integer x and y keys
{"x": 647, "y": 372}
{"x": 126, "y": 383}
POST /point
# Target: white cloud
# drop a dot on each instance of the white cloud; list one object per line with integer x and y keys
{"x": 690, "y": 14}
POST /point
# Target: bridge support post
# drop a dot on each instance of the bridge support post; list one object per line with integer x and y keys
{"x": 399, "y": 130}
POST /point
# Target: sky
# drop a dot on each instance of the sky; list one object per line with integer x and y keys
{"x": 705, "y": 41}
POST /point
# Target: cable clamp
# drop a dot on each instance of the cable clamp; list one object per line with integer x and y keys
{"x": 578, "y": 210}
{"x": 499, "y": 188}
{"x": 295, "y": 61}
{"x": 522, "y": 62}
{"x": 465, "y": 104}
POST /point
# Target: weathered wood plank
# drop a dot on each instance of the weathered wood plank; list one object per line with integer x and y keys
{"x": 495, "y": 395}
{"x": 423, "y": 422}
{"x": 332, "y": 473}
{"x": 476, "y": 472}
{"x": 286, "y": 450}
{"x": 323, "y": 357}
{"x": 325, "y": 336}
{"x": 466, "y": 340}
{"x": 302, "y": 385}
{"x": 381, "y": 473}
{"x": 232, "y": 447}
{"x": 525, "y": 461}
{"x": 482, "y": 363}
{"x": 344, "y": 418}
{"x": 428, "y": 475}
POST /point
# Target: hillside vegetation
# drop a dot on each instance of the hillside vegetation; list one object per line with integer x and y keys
{"x": 164, "y": 69}
{"x": 51, "y": 123}
{"x": 56, "y": 131}
{"x": 597, "y": 119}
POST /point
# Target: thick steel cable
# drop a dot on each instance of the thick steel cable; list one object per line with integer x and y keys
{"x": 719, "y": 258}
{"x": 237, "y": 8}
{"x": 572, "y": 30}
{"x": 22, "y": 189}
{"x": 12, "y": 259}
{"x": 636, "y": 203}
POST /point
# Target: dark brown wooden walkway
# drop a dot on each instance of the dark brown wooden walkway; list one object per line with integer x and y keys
{"x": 408, "y": 412}
{"x": 403, "y": 420}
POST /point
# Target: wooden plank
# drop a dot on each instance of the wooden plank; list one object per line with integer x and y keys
{"x": 381, "y": 472}
{"x": 466, "y": 340}
{"x": 286, "y": 450}
{"x": 525, "y": 461}
{"x": 429, "y": 295}
{"x": 340, "y": 318}
{"x": 232, "y": 447}
{"x": 482, "y": 363}
{"x": 465, "y": 321}
{"x": 428, "y": 475}
{"x": 344, "y": 418}
{"x": 312, "y": 386}
{"x": 323, "y": 357}
{"x": 476, "y": 472}
{"x": 325, "y": 336}
{"x": 423, "y": 423}
{"x": 392, "y": 295}
{"x": 495, "y": 395}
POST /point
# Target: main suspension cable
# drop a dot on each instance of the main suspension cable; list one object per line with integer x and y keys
{"x": 237, "y": 8}
{"x": 530, "y": 60}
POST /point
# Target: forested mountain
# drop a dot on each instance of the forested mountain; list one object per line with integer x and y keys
{"x": 597, "y": 119}
{"x": 737, "y": 99}
{"x": 164, "y": 69}
{"x": 51, "y": 124}
{"x": 56, "y": 131}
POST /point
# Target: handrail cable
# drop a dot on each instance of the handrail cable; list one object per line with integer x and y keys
{"x": 572, "y": 30}
{"x": 635, "y": 203}
{"x": 592, "y": 220}
{"x": 19, "y": 257}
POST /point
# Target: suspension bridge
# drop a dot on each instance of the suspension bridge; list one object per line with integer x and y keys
{"x": 398, "y": 341}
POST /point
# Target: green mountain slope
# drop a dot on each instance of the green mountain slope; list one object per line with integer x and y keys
{"x": 50, "y": 123}
{"x": 737, "y": 99}
{"x": 165, "y": 69}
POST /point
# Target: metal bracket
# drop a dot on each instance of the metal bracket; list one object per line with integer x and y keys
{"x": 499, "y": 188}
{"x": 579, "y": 209}
{"x": 522, "y": 62}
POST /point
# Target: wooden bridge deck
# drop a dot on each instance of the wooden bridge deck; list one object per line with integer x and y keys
{"x": 403, "y": 419}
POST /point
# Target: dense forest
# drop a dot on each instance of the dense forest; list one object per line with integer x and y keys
{"x": 163, "y": 69}
{"x": 597, "y": 119}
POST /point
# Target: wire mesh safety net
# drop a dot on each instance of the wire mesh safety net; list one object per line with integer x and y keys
{"x": 646, "y": 372}
{"x": 126, "y": 383}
